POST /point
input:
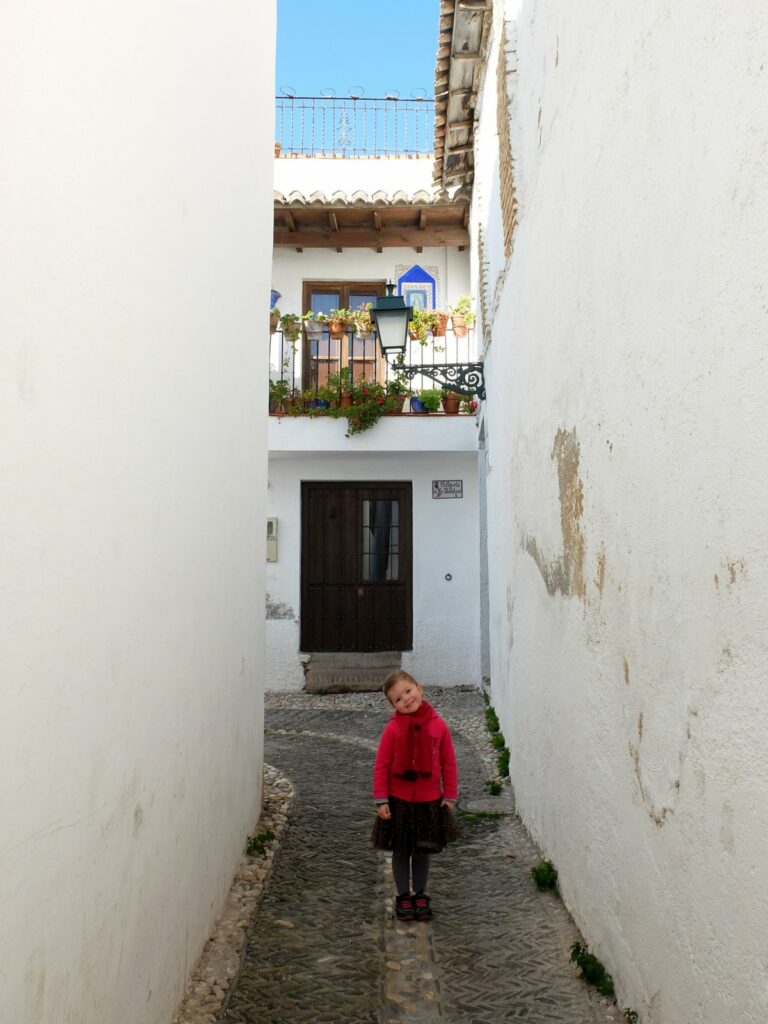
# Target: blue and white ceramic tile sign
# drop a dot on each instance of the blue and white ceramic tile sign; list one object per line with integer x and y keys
{"x": 418, "y": 288}
{"x": 273, "y": 300}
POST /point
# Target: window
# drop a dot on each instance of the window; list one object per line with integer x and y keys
{"x": 381, "y": 540}
{"x": 325, "y": 355}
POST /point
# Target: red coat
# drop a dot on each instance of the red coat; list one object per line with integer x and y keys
{"x": 386, "y": 784}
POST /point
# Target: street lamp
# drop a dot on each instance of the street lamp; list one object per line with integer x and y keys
{"x": 391, "y": 317}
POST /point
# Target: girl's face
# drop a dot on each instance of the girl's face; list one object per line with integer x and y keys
{"x": 406, "y": 697}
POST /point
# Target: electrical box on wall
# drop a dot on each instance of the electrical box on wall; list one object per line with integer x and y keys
{"x": 272, "y": 539}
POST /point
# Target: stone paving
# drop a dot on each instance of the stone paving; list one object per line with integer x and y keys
{"x": 324, "y": 947}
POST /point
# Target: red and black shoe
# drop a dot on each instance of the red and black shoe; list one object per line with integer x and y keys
{"x": 404, "y": 907}
{"x": 421, "y": 907}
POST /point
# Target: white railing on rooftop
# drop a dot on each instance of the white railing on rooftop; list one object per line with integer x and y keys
{"x": 353, "y": 127}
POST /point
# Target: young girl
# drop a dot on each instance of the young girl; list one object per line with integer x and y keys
{"x": 413, "y": 808}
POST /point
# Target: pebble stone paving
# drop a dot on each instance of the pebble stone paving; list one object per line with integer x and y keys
{"x": 324, "y": 946}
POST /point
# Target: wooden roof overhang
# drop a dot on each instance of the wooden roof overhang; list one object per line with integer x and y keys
{"x": 464, "y": 29}
{"x": 371, "y": 222}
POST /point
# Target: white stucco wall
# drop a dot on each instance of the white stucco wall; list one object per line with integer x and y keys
{"x": 291, "y": 268}
{"x": 627, "y": 437}
{"x": 134, "y": 259}
{"x": 446, "y": 617}
{"x": 330, "y": 175}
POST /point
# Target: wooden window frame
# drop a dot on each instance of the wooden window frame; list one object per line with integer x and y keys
{"x": 344, "y": 288}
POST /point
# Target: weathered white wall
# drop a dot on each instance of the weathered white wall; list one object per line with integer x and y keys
{"x": 446, "y": 619}
{"x": 134, "y": 258}
{"x": 627, "y": 437}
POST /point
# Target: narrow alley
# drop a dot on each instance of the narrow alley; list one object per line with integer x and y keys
{"x": 324, "y": 946}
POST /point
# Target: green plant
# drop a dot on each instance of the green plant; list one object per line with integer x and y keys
{"x": 256, "y": 846}
{"x": 291, "y": 325}
{"x": 341, "y": 381}
{"x": 497, "y": 741}
{"x": 502, "y": 763}
{"x": 592, "y": 971}
{"x": 361, "y": 318}
{"x": 486, "y": 698}
{"x": 493, "y": 787}
{"x": 368, "y": 406}
{"x": 491, "y": 720}
{"x": 344, "y": 316}
{"x": 630, "y": 1016}
{"x": 320, "y": 318}
{"x": 463, "y": 308}
{"x": 544, "y": 875}
{"x": 430, "y": 399}
{"x": 469, "y": 406}
{"x": 422, "y": 322}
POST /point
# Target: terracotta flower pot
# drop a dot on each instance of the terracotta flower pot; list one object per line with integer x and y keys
{"x": 337, "y": 328}
{"x": 439, "y": 331}
{"x": 274, "y": 322}
{"x": 451, "y": 405}
{"x": 346, "y": 401}
{"x": 459, "y": 325}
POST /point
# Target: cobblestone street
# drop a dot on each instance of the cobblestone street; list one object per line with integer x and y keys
{"x": 324, "y": 947}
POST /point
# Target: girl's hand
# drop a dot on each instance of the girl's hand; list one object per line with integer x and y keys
{"x": 450, "y": 804}
{"x": 383, "y": 811}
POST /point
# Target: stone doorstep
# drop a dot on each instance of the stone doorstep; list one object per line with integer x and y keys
{"x": 349, "y": 672}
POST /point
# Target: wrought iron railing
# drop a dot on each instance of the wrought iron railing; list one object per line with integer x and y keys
{"x": 309, "y": 365}
{"x": 353, "y": 126}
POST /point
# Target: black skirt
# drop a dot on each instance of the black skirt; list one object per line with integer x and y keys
{"x": 423, "y": 827}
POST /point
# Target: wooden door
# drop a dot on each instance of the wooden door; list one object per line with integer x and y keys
{"x": 356, "y": 583}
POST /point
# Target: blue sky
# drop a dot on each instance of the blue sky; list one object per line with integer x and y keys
{"x": 340, "y": 44}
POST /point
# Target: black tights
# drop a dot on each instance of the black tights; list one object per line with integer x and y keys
{"x": 407, "y": 867}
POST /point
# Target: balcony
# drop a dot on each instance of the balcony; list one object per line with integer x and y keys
{"x": 353, "y": 127}
{"x": 314, "y": 361}
{"x": 322, "y": 388}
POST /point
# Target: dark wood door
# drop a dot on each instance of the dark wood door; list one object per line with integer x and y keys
{"x": 356, "y": 582}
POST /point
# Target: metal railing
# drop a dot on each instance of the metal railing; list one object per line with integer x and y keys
{"x": 353, "y": 127}
{"x": 309, "y": 364}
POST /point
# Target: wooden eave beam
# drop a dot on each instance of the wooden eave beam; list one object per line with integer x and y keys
{"x": 423, "y": 220}
{"x": 289, "y": 220}
{"x": 364, "y": 238}
{"x": 377, "y": 220}
{"x": 332, "y": 220}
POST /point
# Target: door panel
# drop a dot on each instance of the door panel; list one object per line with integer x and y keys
{"x": 356, "y": 582}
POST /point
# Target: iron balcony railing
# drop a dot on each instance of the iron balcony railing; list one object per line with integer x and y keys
{"x": 307, "y": 367}
{"x": 353, "y": 126}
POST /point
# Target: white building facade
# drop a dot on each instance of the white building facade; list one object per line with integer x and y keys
{"x": 620, "y": 235}
{"x": 134, "y": 256}
{"x": 426, "y": 466}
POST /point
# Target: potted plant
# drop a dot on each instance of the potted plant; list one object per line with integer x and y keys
{"x": 423, "y": 321}
{"x": 428, "y": 400}
{"x": 362, "y": 321}
{"x": 462, "y": 316}
{"x": 278, "y": 392}
{"x": 469, "y": 406}
{"x": 274, "y": 319}
{"x": 341, "y": 385}
{"x": 441, "y": 324}
{"x": 314, "y": 324}
{"x": 397, "y": 390}
{"x": 451, "y": 402}
{"x": 339, "y": 322}
{"x": 291, "y": 325}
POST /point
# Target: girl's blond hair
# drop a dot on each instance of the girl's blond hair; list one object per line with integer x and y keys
{"x": 394, "y": 678}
